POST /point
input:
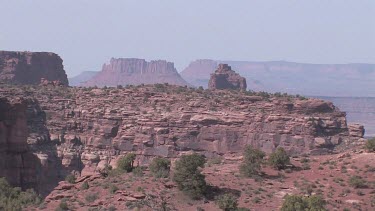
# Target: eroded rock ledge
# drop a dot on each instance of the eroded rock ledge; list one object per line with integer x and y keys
{"x": 83, "y": 129}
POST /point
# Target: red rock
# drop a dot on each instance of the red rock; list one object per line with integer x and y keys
{"x": 225, "y": 78}
{"x": 31, "y": 68}
{"x": 135, "y": 72}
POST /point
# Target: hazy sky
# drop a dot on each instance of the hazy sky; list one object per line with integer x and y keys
{"x": 88, "y": 33}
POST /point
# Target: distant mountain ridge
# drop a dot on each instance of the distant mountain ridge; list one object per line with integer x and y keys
{"x": 81, "y": 78}
{"x": 292, "y": 77}
{"x": 132, "y": 71}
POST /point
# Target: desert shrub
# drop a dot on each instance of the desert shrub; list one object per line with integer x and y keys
{"x": 126, "y": 163}
{"x": 297, "y": 203}
{"x": 62, "y": 206}
{"x": 138, "y": 171}
{"x": 227, "y": 202}
{"x": 370, "y": 145}
{"x": 160, "y": 167}
{"x": 252, "y": 161}
{"x": 188, "y": 177}
{"x": 357, "y": 182}
{"x": 215, "y": 161}
{"x": 91, "y": 197}
{"x": 85, "y": 185}
{"x": 279, "y": 159}
{"x": 14, "y": 199}
{"x": 70, "y": 178}
{"x": 113, "y": 188}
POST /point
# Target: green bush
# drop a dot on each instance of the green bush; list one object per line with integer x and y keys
{"x": 227, "y": 202}
{"x": 85, "y": 185}
{"x": 160, "y": 167}
{"x": 300, "y": 203}
{"x": 370, "y": 145}
{"x": 91, "y": 197}
{"x": 279, "y": 159}
{"x": 126, "y": 163}
{"x": 113, "y": 188}
{"x": 138, "y": 171}
{"x": 357, "y": 182}
{"x": 14, "y": 199}
{"x": 62, "y": 206}
{"x": 252, "y": 160}
{"x": 70, "y": 178}
{"x": 188, "y": 177}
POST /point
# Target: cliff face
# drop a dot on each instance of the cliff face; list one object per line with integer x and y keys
{"x": 28, "y": 159}
{"x": 293, "y": 78}
{"x": 135, "y": 72}
{"x": 17, "y": 163}
{"x": 225, "y": 78}
{"x": 89, "y": 128}
{"x": 31, "y": 67}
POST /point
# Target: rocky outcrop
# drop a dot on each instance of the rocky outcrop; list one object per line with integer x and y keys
{"x": 89, "y": 128}
{"x": 65, "y": 130}
{"x": 225, "y": 78}
{"x": 356, "y": 130}
{"x": 31, "y": 67}
{"x": 28, "y": 158}
{"x": 292, "y": 77}
{"x": 18, "y": 165}
{"x": 198, "y": 72}
{"x": 136, "y": 72}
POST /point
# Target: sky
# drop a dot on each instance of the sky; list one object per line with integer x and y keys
{"x": 86, "y": 34}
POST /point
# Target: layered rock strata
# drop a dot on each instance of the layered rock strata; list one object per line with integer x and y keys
{"x": 128, "y": 71}
{"x": 81, "y": 130}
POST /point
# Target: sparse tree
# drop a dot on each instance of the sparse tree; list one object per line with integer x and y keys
{"x": 252, "y": 160}
{"x": 300, "y": 203}
{"x": 279, "y": 159}
{"x": 370, "y": 145}
{"x": 227, "y": 202}
{"x": 160, "y": 167}
{"x": 126, "y": 163}
{"x": 188, "y": 177}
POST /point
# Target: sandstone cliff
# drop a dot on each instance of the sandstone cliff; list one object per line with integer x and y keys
{"x": 136, "y": 72}
{"x": 89, "y": 128}
{"x": 225, "y": 78}
{"x": 28, "y": 158}
{"x": 31, "y": 67}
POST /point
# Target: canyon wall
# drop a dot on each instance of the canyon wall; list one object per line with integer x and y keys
{"x": 31, "y": 68}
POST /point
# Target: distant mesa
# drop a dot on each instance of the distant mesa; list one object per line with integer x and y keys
{"x": 31, "y": 68}
{"x": 225, "y": 78}
{"x": 291, "y": 77}
{"x": 131, "y": 71}
{"x": 83, "y": 77}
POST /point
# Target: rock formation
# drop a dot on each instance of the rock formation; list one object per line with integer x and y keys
{"x": 136, "y": 72}
{"x": 31, "y": 67}
{"x": 80, "y": 130}
{"x": 291, "y": 77}
{"x": 225, "y": 78}
{"x": 28, "y": 158}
